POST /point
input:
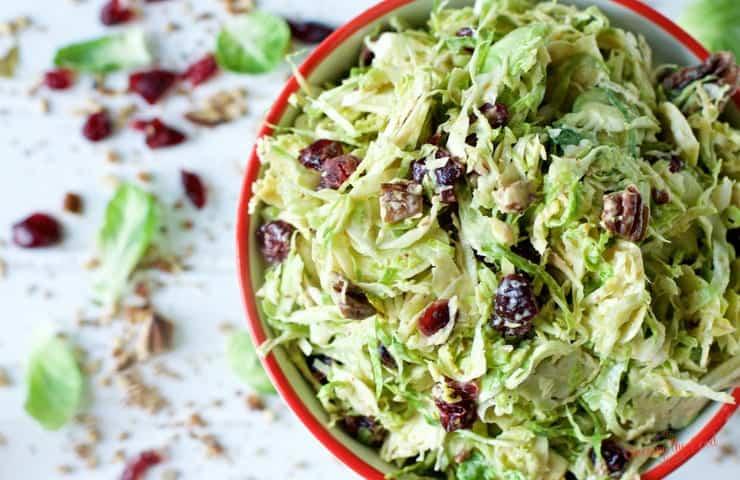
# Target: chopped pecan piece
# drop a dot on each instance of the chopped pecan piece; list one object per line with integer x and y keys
{"x": 400, "y": 200}
{"x": 156, "y": 337}
{"x": 721, "y": 65}
{"x": 352, "y": 301}
{"x": 625, "y": 214}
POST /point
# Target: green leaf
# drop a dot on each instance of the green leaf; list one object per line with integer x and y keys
{"x": 475, "y": 468}
{"x": 245, "y": 363}
{"x": 9, "y": 62}
{"x": 716, "y": 23}
{"x": 54, "y": 383}
{"x": 122, "y": 51}
{"x": 131, "y": 222}
{"x": 253, "y": 43}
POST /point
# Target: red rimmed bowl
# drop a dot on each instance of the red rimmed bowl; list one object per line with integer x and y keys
{"x": 330, "y": 61}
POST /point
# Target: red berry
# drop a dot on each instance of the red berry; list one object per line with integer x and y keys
{"x": 515, "y": 307}
{"x": 158, "y": 135}
{"x": 460, "y": 413}
{"x": 335, "y": 171}
{"x": 274, "y": 240}
{"x": 434, "y": 318}
{"x": 314, "y": 155}
{"x": 137, "y": 467}
{"x": 200, "y": 71}
{"x": 152, "y": 85}
{"x": 309, "y": 32}
{"x": 59, "y": 79}
{"x": 97, "y": 126}
{"x": 194, "y": 188}
{"x": 497, "y": 114}
{"x": 113, "y": 13}
{"x": 37, "y": 230}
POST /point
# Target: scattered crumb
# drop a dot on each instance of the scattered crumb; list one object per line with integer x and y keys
{"x": 91, "y": 264}
{"x": 213, "y": 446}
{"x": 44, "y": 106}
{"x": 65, "y": 470}
{"x": 119, "y": 456}
{"x": 73, "y": 203}
{"x": 3, "y": 269}
{"x": 15, "y": 26}
{"x": 145, "y": 177}
{"x": 138, "y": 394}
{"x": 123, "y": 436}
{"x": 186, "y": 224}
{"x": 93, "y": 435}
{"x": 3, "y": 440}
{"x": 83, "y": 450}
{"x": 255, "y": 402}
{"x": 171, "y": 27}
{"x": 236, "y": 7}
{"x": 111, "y": 181}
{"x": 4, "y": 378}
{"x": 124, "y": 115}
{"x": 112, "y": 156}
{"x": 196, "y": 420}
{"x": 726, "y": 451}
{"x": 270, "y": 416}
{"x": 162, "y": 370}
{"x": 222, "y": 107}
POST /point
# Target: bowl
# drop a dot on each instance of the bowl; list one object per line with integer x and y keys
{"x": 330, "y": 61}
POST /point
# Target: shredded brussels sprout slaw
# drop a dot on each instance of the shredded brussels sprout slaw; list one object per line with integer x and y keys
{"x": 504, "y": 245}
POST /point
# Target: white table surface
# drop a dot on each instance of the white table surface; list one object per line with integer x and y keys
{"x": 44, "y": 156}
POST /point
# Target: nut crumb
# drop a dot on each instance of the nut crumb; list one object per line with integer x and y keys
{"x": 72, "y": 203}
{"x": 213, "y": 446}
{"x": 144, "y": 176}
{"x": 65, "y": 470}
{"x": 112, "y": 156}
{"x": 196, "y": 420}
{"x": 255, "y": 402}
{"x": 4, "y": 378}
{"x": 138, "y": 394}
{"x": 3, "y": 440}
{"x": 119, "y": 456}
{"x": 123, "y": 436}
{"x": 155, "y": 337}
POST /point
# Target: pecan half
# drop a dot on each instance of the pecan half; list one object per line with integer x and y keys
{"x": 625, "y": 214}
{"x": 156, "y": 336}
{"x": 352, "y": 301}
{"x": 400, "y": 200}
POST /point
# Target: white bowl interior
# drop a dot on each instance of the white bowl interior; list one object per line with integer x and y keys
{"x": 666, "y": 49}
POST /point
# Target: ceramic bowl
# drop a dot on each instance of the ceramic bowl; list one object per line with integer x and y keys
{"x": 330, "y": 61}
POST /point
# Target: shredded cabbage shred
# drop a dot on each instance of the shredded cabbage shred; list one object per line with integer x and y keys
{"x": 633, "y": 336}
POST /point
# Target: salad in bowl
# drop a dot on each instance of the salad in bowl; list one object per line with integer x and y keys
{"x": 503, "y": 245}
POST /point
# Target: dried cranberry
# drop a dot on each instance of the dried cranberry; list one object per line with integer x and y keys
{"x": 366, "y": 56}
{"x": 676, "y": 164}
{"x": 98, "y": 126}
{"x": 59, "y": 79}
{"x": 386, "y": 358}
{"x": 660, "y": 197}
{"x": 496, "y": 114}
{"x": 418, "y": 170}
{"x": 274, "y": 240}
{"x": 465, "y": 32}
{"x": 447, "y": 195}
{"x": 113, "y": 13}
{"x": 314, "y": 155}
{"x": 335, "y": 171}
{"x": 152, "y": 84}
{"x": 366, "y": 429}
{"x": 158, "y": 134}
{"x": 309, "y": 32}
{"x": 615, "y": 457}
{"x": 435, "y": 318}
{"x": 400, "y": 200}
{"x": 194, "y": 188}
{"x": 37, "y": 230}
{"x": 437, "y": 139}
{"x": 311, "y": 361}
{"x": 450, "y": 172}
{"x": 201, "y": 71}
{"x": 461, "y": 411}
{"x": 352, "y": 301}
{"x": 625, "y": 214}
{"x": 515, "y": 307}
{"x": 137, "y": 467}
